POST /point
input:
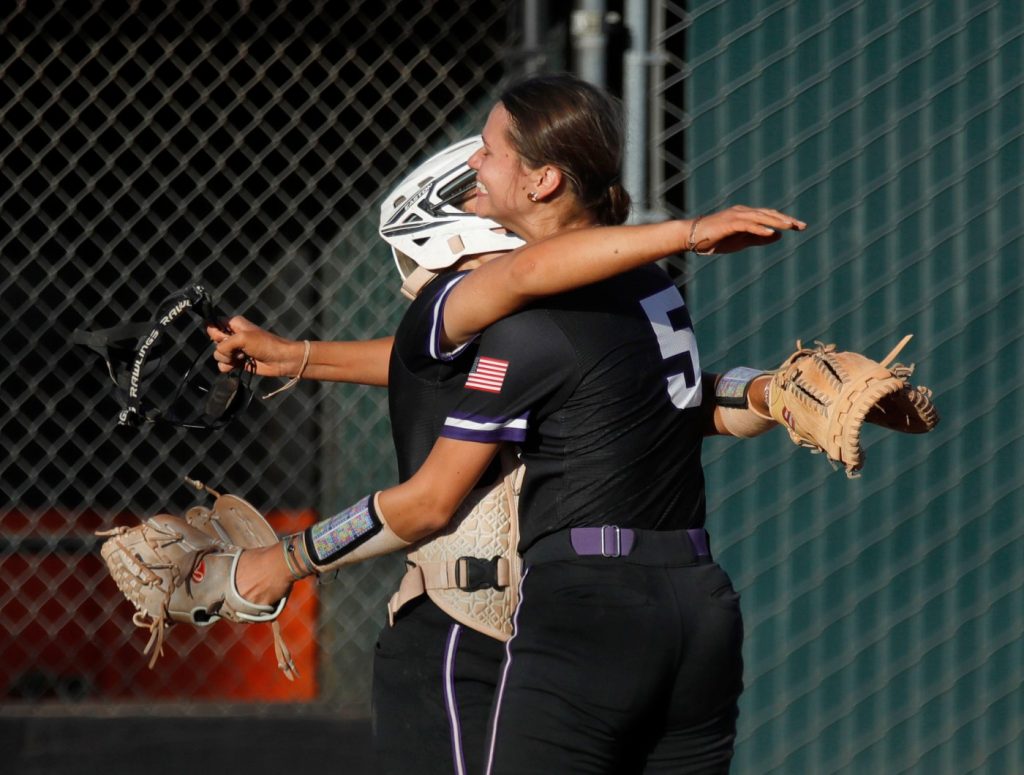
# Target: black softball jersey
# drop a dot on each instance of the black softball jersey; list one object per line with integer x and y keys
{"x": 601, "y": 389}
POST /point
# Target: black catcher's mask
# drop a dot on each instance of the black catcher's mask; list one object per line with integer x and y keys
{"x": 163, "y": 369}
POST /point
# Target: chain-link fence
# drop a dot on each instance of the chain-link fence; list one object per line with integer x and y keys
{"x": 248, "y": 149}
{"x": 245, "y": 148}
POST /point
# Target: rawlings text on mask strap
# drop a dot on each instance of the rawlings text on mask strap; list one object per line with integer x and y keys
{"x": 128, "y": 352}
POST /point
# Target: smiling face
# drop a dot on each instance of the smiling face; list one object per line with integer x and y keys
{"x": 503, "y": 180}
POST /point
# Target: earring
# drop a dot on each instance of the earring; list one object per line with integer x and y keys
{"x": 532, "y": 196}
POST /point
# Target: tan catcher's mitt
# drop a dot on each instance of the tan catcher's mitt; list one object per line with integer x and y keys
{"x": 183, "y": 570}
{"x": 823, "y": 397}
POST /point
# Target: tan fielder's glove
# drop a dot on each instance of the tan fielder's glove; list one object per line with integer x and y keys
{"x": 183, "y": 570}
{"x": 823, "y": 397}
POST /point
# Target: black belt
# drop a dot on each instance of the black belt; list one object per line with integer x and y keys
{"x": 645, "y": 547}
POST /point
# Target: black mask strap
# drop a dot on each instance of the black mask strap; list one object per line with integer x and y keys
{"x": 129, "y": 351}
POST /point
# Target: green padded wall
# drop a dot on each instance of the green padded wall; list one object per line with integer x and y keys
{"x": 884, "y": 615}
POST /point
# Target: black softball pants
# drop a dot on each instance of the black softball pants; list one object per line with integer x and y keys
{"x": 433, "y": 683}
{"x": 620, "y": 667}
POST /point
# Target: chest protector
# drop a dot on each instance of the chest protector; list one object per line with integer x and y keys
{"x": 471, "y": 570}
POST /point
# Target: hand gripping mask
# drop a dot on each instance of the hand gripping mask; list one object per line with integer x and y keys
{"x": 423, "y": 221}
{"x": 158, "y": 376}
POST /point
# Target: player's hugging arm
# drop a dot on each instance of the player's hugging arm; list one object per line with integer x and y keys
{"x": 361, "y": 362}
{"x": 580, "y": 257}
{"x": 364, "y": 362}
{"x": 379, "y": 523}
{"x": 734, "y": 404}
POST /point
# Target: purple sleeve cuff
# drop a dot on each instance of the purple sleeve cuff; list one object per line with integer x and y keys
{"x": 437, "y": 326}
{"x": 477, "y": 428}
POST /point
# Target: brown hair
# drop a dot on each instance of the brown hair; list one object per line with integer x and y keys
{"x": 561, "y": 120}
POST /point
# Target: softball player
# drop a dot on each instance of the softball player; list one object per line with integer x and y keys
{"x": 408, "y": 684}
{"x": 627, "y": 648}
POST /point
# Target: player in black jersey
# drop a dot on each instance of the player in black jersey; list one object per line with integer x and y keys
{"x": 434, "y": 677}
{"x": 628, "y": 636}
{"x": 364, "y": 530}
{"x": 626, "y": 655}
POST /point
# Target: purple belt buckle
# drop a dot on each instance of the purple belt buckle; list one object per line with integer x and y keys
{"x": 604, "y": 541}
{"x": 608, "y": 533}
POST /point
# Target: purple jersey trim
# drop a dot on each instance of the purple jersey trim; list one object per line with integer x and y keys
{"x": 436, "y": 326}
{"x": 450, "y": 701}
{"x": 496, "y": 714}
{"x": 471, "y": 427}
{"x": 505, "y": 434}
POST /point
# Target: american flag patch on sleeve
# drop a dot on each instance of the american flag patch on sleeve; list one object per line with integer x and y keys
{"x": 487, "y": 374}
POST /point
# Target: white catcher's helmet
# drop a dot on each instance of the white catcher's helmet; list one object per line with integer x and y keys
{"x": 423, "y": 224}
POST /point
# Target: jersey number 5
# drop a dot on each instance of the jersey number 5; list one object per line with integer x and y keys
{"x": 667, "y": 313}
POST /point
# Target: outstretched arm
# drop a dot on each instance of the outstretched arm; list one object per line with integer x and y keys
{"x": 393, "y": 519}
{"x": 584, "y": 256}
{"x": 364, "y": 363}
{"x": 376, "y": 525}
{"x": 743, "y": 422}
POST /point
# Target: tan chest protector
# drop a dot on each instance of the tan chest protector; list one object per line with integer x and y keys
{"x": 457, "y": 568}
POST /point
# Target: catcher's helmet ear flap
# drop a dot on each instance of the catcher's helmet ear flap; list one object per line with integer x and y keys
{"x": 146, "y": 362}
{"x": 422, "y": 221}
